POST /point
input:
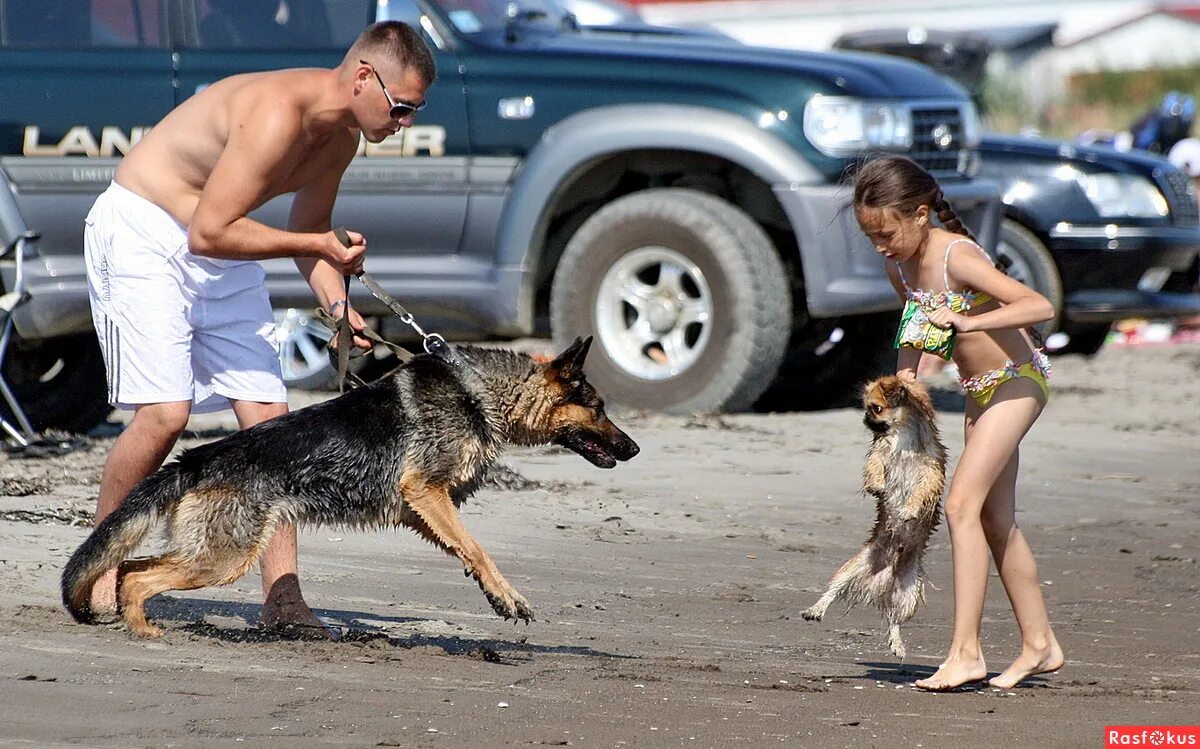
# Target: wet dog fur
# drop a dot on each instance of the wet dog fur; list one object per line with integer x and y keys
{"x": 905, "y": 470}
{"x": 406, "y": 450}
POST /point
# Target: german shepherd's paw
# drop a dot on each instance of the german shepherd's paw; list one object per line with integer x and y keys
{"x": 145, "y": 630}
{"x": 510, "y": 605}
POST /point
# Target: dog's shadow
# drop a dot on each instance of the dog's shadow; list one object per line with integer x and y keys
{"x": 355, "y": 628}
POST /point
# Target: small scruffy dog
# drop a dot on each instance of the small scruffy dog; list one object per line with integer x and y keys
{"x": 905, "y": 471}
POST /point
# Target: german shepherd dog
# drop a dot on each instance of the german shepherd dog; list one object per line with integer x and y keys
{"x": 905, "y": 470}
{"x": 405, "y": 450}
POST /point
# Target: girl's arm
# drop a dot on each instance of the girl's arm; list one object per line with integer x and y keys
{"x": 1021, "y": 306}
{"x": 907, "y": 359}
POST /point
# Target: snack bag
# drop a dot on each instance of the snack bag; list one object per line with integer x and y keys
{"x": 916, "y": 331}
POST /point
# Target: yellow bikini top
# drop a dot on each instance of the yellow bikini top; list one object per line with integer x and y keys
{"x": 916, "y": 330}
{"x": 958, "y": 301}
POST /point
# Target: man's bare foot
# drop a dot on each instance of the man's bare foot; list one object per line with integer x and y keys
{"x": 1030, "y": 662}
{"x": 104, "y": 595}
{"x": 284, "y": 612}
{"x": 954, "y": 673}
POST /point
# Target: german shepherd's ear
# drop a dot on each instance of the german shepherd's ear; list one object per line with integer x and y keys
{"x": 569, "y": 364}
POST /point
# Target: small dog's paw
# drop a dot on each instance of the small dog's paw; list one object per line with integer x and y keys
{"x": 813, "y": 614}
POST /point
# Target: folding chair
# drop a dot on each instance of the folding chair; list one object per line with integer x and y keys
{"x": 22, "y": 432}
{"x": 22, "y": 440}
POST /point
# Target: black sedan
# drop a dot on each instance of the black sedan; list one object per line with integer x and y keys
{"x": 1104, "y": 234}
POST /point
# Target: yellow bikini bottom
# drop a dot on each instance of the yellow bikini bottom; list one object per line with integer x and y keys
{"x": 983, "y": 387}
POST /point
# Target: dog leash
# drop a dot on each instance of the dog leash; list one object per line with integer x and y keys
{"x": 432, "y": 343}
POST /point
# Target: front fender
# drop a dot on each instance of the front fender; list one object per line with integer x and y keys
{"x": 567, "y": 149}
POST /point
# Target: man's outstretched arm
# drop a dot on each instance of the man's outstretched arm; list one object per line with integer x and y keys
{"x": 259, "y": 154}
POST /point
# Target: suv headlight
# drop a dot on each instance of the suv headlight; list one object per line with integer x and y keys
{"x": 844, "y": 126}
{"x": 1116, "y": 195}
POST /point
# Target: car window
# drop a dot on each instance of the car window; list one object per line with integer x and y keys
{"x": 76, "y": 24}
{"x": 280, "y": 24}
{"x": 474, "y": 16}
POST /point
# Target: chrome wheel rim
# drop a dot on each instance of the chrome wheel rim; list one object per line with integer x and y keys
{"x": 653, "y": 313}
{"x": 302, "y": 342}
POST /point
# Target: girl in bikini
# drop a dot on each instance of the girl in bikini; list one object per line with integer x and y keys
{"x": 958, "y": 305}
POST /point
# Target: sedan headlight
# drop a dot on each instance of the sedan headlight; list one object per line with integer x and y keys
{"x": 1117, "y": 195}
{"x": 844, "y": 126}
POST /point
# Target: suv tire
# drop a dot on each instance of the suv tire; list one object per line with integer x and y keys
{"x": 59, "y": 382}
{"x": 686, "y": 296}
{"x": 829, "y": 359}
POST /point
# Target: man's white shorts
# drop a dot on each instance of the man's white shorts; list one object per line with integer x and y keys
{"x": 174, "y": 326}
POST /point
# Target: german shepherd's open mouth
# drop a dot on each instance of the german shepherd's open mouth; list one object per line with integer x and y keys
{"x": 600, "y": 452}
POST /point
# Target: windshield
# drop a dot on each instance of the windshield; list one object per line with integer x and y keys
{"x": 475, "y": 16}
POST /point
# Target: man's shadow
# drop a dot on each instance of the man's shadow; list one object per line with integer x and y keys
{"x": 354, "y": 627}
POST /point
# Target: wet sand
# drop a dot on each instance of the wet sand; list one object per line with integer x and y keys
{"x": 667, "y": 591}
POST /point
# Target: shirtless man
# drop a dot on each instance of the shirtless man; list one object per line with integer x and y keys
{"x": 177, "y": 298}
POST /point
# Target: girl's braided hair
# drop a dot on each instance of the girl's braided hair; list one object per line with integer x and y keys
{"x": 903, "y": 184}
{"x": 900, "y": 183}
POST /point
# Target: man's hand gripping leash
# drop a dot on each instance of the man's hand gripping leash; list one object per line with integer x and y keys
{"x": 433, "y": 343}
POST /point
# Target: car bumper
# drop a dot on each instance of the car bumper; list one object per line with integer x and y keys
{"x": 843, "y": 274}
{"x": 1113, "y": 272}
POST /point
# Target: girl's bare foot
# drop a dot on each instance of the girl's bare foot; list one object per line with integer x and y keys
{"x": 954, "y": 673}
{"x": 1030, "y": 662}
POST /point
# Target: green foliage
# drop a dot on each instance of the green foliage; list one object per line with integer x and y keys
{"x": 1003, "y": 104}
{"x": 1138, "y": 88}
{"x": 1106, "y": 100}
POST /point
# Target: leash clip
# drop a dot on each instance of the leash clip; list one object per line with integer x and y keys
{"x": 433, "y": 343}
{"x": 436, "y": 345}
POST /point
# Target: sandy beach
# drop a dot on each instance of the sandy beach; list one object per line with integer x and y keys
{"x": 667, "y": 592}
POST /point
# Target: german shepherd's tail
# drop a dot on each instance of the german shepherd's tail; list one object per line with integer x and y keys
{"x": 118, "y": 535}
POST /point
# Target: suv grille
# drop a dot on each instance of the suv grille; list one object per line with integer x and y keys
{"x": 1181, "y": 194}
{"x": 937, "y": 139}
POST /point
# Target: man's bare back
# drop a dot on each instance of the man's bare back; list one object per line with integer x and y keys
{"x": 172, "y": 164}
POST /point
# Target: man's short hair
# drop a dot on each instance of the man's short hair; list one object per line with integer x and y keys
{"x": 397, "y": 42}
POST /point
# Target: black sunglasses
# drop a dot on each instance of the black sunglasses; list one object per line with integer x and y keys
{"x": 399, "y": 109}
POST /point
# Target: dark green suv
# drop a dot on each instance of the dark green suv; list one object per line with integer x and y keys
{"x": 678, "y": 195}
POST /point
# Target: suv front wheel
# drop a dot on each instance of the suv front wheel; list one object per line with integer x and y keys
{"x": 686, "y": 296}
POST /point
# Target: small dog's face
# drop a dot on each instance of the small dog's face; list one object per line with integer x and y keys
{"x": 578, "y": 419}
{"x": 887, "y": 400}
